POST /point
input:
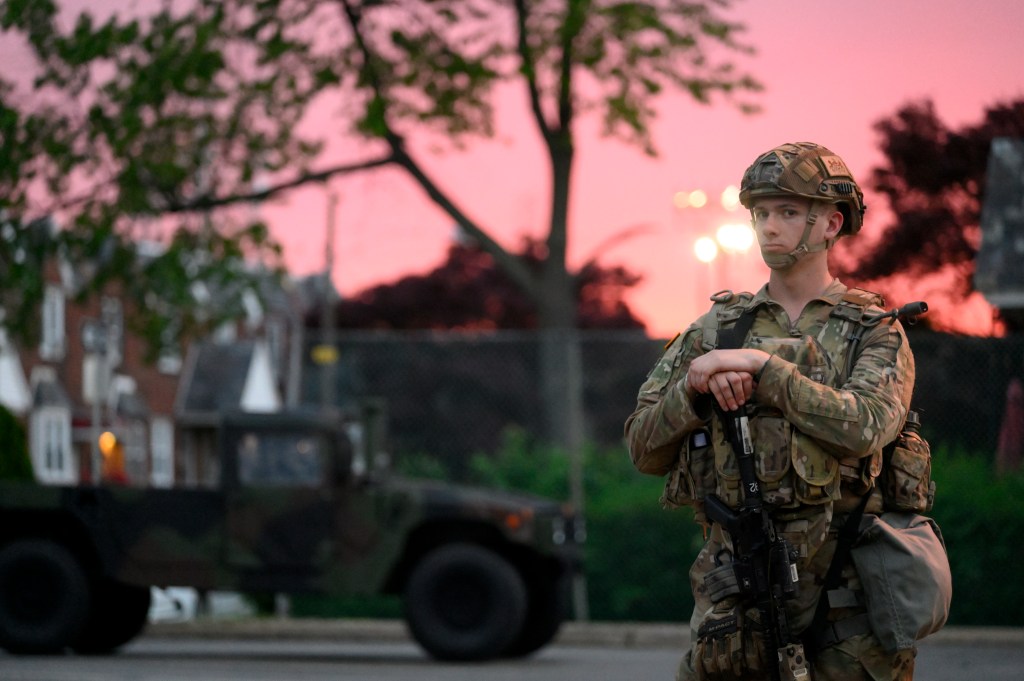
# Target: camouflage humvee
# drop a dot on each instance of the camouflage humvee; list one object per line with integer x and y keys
{"x": 298, "y": 509}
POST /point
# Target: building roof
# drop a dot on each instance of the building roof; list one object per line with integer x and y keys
{"x": 225, "y": 377}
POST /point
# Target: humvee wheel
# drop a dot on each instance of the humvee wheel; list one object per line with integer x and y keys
{"x": 118, "y": 614}
{"x": 44, "y": 597}
{"x": 548, "y": 605}
{"x": 465, "y": 602}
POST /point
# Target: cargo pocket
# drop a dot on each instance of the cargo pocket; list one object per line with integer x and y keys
{"x": 678, "y": 486}
{"x": 817, "y": 472}
{"x": 728, "y": 484}
{"x": 771, "y": 437}
{"x": 693, "y": 476}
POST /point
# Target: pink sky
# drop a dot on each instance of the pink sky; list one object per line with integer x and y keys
{"x": 830, "y": 71}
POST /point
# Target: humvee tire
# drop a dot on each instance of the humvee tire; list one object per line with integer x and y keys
{"x": 44, "y": 597}
{"x": 465, "y": 602}
{"x": 547, "y": 608}
{"x": 118, "y": 614}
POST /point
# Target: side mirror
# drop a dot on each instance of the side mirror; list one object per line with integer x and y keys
{"x": 374, "y": 414}
{"x": 354, "y": 440}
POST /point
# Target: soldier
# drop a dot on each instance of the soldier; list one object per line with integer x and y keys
{"x": 821, "y": 409}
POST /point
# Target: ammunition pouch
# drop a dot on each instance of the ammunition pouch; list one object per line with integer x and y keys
{"x": 792, "y": 468}
{"x": 906, "y": 475}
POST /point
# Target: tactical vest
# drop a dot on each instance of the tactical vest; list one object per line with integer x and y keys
{"x": 794, "y": 470}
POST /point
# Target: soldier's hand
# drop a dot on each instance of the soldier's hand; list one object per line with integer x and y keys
{"x": 703, "y": 368}
{"x": 731, "y": 389}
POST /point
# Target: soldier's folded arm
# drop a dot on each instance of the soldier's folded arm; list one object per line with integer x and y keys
{"x": 665, "y": 414}
{"x": 860, "y": 417}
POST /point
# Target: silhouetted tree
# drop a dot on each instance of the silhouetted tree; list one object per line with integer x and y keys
{"x": 933, "y": 179}
{"x": 470, "y": 291}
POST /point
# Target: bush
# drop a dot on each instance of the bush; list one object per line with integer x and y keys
{"x": 982, "y": 521}
{"x": 637, "y": 554}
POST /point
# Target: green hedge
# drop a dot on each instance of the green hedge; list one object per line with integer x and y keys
{"x": 982, "y": 519}
{"x": 638, "y": 554}
{"x": 15, "y": 463}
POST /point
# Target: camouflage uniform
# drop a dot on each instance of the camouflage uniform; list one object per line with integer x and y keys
{"x": 818, "y": 436}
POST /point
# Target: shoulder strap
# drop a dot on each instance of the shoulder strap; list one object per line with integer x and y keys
{"x": 727, "y": 309}
{"x": 851, "y": 308}
{"x": 733, "y": 337}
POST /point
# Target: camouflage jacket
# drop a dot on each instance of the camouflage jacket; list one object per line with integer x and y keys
{"x": 809, "y": 416}
{"x": 818, "y": 431}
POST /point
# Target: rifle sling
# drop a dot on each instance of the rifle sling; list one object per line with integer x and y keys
{"x": 733, "y": 337}
{"x": 815, "y": 636}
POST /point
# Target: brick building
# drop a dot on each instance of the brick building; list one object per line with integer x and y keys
{"x": 96, "y": 410}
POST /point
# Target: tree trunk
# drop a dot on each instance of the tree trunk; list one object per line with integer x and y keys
{"x": 561, "y": 362}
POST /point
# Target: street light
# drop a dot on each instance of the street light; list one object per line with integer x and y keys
{"x": 735, "y": 237}
{"x": 731, "y": 198}
{"x": 705, "y": 249}
{"x": 697, "y": 198}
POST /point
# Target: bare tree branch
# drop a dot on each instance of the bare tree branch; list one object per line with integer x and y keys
{"x": 399, "y": 155}
{"x": 512, "y": 264}
{"x": 209, "y": 202}
{"x": 529, "y": 70}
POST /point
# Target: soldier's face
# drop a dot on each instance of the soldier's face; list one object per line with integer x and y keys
{"x": 779, "y": 222}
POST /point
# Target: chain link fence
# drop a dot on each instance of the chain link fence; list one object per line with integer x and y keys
{"x": 454, "y": 394}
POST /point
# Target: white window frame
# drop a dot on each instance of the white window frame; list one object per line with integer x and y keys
{"x": 135, "y": 441}
{"x": 52, "y": 456}
{"x": 161, "y": 447}
{"x": 52, "y": 344}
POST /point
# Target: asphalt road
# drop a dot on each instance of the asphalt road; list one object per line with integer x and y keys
{"x": 254, "y": 659}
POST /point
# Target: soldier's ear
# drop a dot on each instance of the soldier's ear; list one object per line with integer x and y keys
{"x": 835, "y": 221}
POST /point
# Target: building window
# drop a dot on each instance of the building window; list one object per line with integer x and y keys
{"x": 51, "y": 446}
{"x": 274, "y": 330}
{"x": 51, "y": 345}
{"x": 169, "y": 361}
{"x": 135, "y": 451}
{"x": 161, "y": 434}
{"x": 113, "y": 323}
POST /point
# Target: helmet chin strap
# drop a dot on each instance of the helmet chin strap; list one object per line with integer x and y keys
{"x": 780, "y": 261}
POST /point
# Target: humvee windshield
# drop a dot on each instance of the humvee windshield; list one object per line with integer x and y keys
{"x": 280, "y": 459}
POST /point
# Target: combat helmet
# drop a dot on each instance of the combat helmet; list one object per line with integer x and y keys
{"x": 809, "y": 171}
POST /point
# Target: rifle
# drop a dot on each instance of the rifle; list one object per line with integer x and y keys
{"x": 763, "y": 561}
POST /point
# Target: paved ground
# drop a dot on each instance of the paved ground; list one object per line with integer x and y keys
{"x": 372, "y": 650}
{"x": 602, "y": 634}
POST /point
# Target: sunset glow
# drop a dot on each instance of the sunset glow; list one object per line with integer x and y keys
{"x": 830, "y": 72}
{"x": 958, "y": 54}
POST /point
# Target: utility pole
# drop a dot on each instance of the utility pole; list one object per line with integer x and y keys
{"x": 326, "y": 353}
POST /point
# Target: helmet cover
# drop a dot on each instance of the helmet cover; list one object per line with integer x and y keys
{"x": 809, "y": 171}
